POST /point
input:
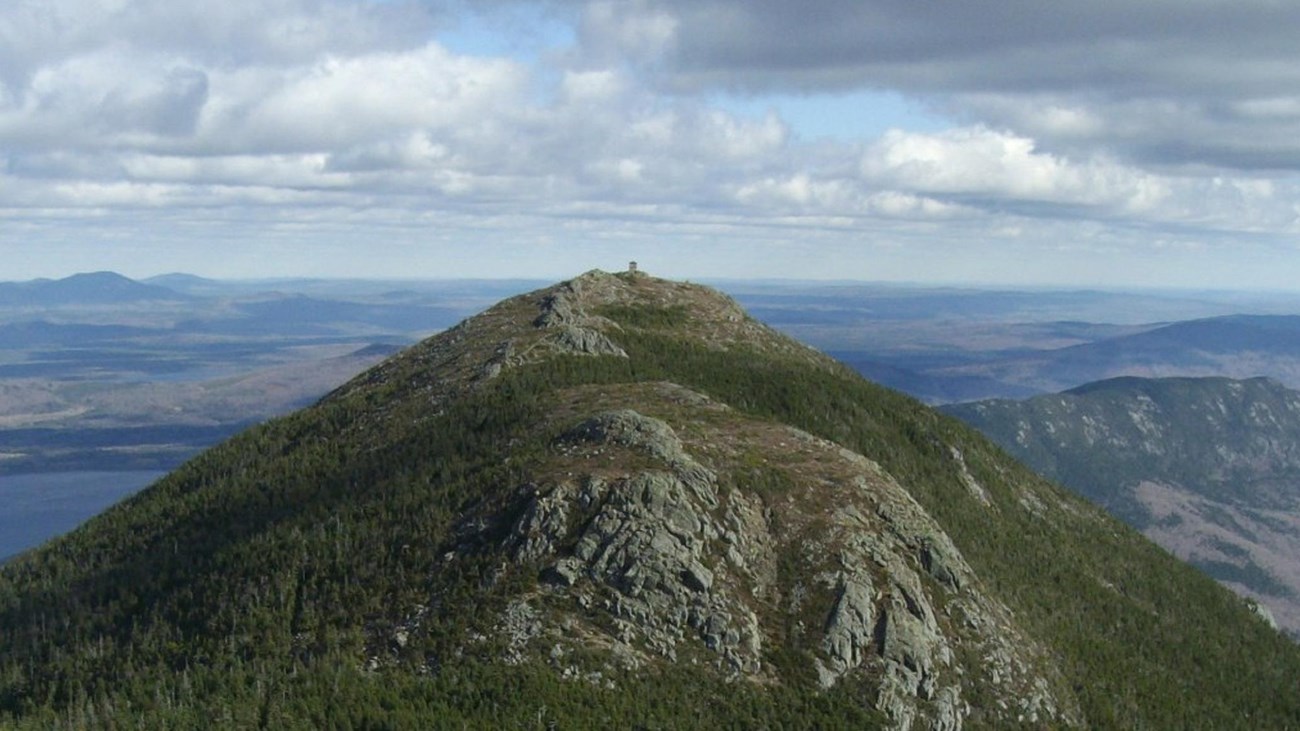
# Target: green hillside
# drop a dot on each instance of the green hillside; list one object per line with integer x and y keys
{"x": 473, "y": 534}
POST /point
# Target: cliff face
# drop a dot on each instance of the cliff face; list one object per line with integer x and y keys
{"x": 622, "y": 499}
{"x": 1209, "y": 468}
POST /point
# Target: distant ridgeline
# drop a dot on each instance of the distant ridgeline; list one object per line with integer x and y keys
{"x": 1209, "y": 468}
{"x": 620, "y": 501}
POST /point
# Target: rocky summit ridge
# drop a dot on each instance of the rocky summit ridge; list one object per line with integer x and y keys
{"x": 664, "y": 525}
{"x": 610, "y": 501}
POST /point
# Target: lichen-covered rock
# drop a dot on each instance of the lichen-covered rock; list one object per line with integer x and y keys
{"x": 652, "y": 436}
{"x": 850, "y": 629}
{"x": 585, "y": 341}
{"x": 544, "y": 519}
{"x": 630, "y": 429}
{"x": 680, "y": 555}
{"x": 575, "y": 331}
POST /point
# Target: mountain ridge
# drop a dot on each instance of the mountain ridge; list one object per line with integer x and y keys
{"x": 1207, "y": 467}
{"x": 1235, "y": 346}
{"x": 605, "y": 492}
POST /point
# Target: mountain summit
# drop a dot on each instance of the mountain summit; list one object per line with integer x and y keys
{"x": 622, "y": 501}
{"x": 90, "y": 288}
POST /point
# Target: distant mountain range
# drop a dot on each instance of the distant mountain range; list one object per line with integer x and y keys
{"x": 1235, "y": 346}
{"x": 1207, "y": 467}
{"x": 931, "y": 388}
{"x": 182, "y": 282}
{"x": 946, "y": 345}
{"x": 95, "y": 288}
{"x": 100, "y": 372}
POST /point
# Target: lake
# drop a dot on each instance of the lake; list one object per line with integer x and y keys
{"x": 37, "y": 507}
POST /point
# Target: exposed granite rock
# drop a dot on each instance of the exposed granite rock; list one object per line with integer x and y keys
{"x": 676, "y": 556}
{"x": 585, "y": 341}
{"x": 915, "y": 655}
{"x": 642, "y": 546}
{"x": 630, "y": 429}
{"x": 657, "y": 439}
{"x": 575, "y": 330}
{"x": 967, "y": 479}
{"x": 850, "y": 630}
{"x": 1263, "y": 612}
{"x": 643, "y": 553}
{"x": 519, "y": 624}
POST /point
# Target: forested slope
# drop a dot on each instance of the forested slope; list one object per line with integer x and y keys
{"x": 435, "y": 543}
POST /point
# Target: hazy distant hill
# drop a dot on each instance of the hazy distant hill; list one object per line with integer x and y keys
{"x": 930, "y": 388}
{"x": 788, "y": 303}
{"x": 301, "y": 315}
{"x": 95, "y": 288}
{"x": 618, "y": 502}
{"x": 1207, "y": 467}
{"x": 188, "y": 284}
{"x": 946, "y": 345}
{"x": 1236, "y": 346}
{"x": 51, "y": 425}
{"x": 99, "y": 372}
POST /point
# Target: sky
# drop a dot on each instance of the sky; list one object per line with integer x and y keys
{"x": 1076, "y": 143}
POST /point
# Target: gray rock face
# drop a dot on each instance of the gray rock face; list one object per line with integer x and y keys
{"x": 916, "y": 655}
{"x": 850, "y": 629}
{"x": 585, "y": 341}
{"x": 575, "y": 331}
{"x": 673, "y": 558}
{"x": 889, "y": 623}
{"x": 561, "y": 326}
{"x": 630, "y": 429}
{"x": 643, "y": 552}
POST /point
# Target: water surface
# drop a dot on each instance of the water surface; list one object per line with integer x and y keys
{"x": 37, "y": 507}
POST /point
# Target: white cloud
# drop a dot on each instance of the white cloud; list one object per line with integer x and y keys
{"x": 1159, "y": 81}
{"x": 36, "y": 33}
{"x": 412, "y": 151}
{"x": 999, "y": 171}
{"x": 980, "y": 161}
{"x": 325, "y": 118}
{"x": 601, "y": 87}
{"x": 342, "y": 101}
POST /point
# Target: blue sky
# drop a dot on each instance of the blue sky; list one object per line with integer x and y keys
{"x": 1095, "y": 144}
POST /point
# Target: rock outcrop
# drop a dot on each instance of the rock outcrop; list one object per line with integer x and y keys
{"x": 678, "y": 558}
{"x": 573, "y": 331}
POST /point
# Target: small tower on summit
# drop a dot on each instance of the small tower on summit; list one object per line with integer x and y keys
{"x": 631, "y": 267}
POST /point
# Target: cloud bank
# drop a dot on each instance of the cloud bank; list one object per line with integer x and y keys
{"x": 134, "y": 127}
